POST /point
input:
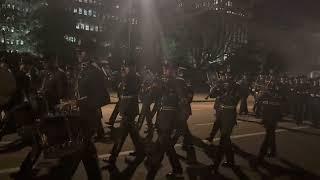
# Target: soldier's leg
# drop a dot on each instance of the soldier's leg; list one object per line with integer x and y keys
{"x": 100, "y": 130}
{"x": 136, "y": 139}
{"x": 153, "y": 163}
{"x": 114, "y": 114}
{"x": 142, "y": 116}
{"x": 32, "y": 157}
{"x": 273, "y": 146}
{"x": 243, "y": 105}
{"x": 264, "y": 146}
{"x": 119, "y": 142}
{"x": 91, "y": 162}
{"x": 173, "y": 159}
{"x": 215, "y": 129}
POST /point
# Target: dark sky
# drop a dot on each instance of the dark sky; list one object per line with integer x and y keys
{"x": 290, "y": 13}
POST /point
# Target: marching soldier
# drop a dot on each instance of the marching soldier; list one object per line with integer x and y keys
{"x": 228, "y": 113}
{"x": 129, "y": 109}
{"x": 315, "y": 102}
{"x": 271, "y": 114}
{"x": 244, "y": 93}
{"x": 91, "y": 97}
{"x": 172, "y": 99}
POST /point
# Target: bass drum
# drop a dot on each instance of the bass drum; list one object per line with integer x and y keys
{"x": 8, "y": 86}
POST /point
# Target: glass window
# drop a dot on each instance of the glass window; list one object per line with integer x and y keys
{"x": 91, "y": 28}
{"x": 96, "y": 28}
{"x": 85, "y": 12}
{"x": 89, "y": 12}
{"x": 80, "y": 10}
{"x": 21, "y": 42}
{"x": 78, "y": 26}
{"x": 17, "y": 42}
{"x": 75, "y": 10}
{"x": 81, "y": 26}
{"x": 87, "y": 27}
{"x": 2, "y": 40}
{"x": 85, "y": 1}
{"x": 94, "y": 14}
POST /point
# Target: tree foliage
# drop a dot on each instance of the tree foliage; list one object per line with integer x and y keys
{"x": 56, "y": 22}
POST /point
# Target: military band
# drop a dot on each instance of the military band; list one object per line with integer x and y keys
{"x": 52, "y": 93}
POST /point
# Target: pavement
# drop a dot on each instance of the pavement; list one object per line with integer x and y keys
{"x": 298, "y": 148}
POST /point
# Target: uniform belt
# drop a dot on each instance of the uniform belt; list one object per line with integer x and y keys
{"x": 271, "y": 103}
{"x": 168, "y": 108}
{"x": 128, "y": 97}
{"x": 227, "y": 107}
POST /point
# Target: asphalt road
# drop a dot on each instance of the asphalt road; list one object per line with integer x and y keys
{"x": 298, "y": 148}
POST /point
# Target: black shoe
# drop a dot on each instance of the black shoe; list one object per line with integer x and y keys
{"x": 271, "y": 155}
{"x": 228, "y": 164}
{"x": 213, "y": 168}
{"x": 174, "y": 175}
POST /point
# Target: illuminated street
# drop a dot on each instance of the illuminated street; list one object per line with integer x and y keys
{"x": 297, "y": 149}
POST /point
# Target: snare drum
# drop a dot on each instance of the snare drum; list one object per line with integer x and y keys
{"x": 60, "y": 135}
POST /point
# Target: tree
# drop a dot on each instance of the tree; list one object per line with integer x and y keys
{"x": 16, "y": 24}
{"x": 56, "y": 21}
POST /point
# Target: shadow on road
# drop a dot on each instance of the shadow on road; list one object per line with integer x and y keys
{"x": 14, "y": 146}
{"x": 126, "y": 174}
{"x": 275, "y": 170}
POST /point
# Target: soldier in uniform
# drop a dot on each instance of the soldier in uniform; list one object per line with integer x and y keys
{"x": 215, "y": 92}
{"x": 172, "y": 99}
{"x": 129, "y": 109}
{"x": 271, "y": 114}
{"x": 315, "y": 102}
{"x": 91, "y": 97}
{"x": 244, "y": 93}
{"x": 227, "y": 114}
{"x": 147, "y": 98}
{"x": 115, "y": 111}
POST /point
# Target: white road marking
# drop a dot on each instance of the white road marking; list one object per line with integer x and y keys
{"x": 203, "y": 124}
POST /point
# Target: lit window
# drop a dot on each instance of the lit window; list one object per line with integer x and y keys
{"x": 85, "y": 12}
{"x": 12, "y": 29}
{"x": 91, "y": 28}
{"x": 80, "y": 0}
{"x": 17, "y": 42}
{"x": 90, "y": 1}
{"x": 80, "y": 10}
{"x": 85, "y": 1}
{"x": 21, "y": 42}
{"x": 78, "y": 26}
{"x": 117, "y": 6}
{"x": 2, "y": 40}
{"x": 81, "y": 26}
{"x": 89, "y": 12}
{"x": 75, "y": 10}
{"x": 87, "y": 27}
{"x": 94, "y": 14}
{"x": 96, "y": 28}
{"x": 11, "y": 42}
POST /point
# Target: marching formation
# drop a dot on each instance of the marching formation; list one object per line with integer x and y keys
{"x": 57, "y": 111}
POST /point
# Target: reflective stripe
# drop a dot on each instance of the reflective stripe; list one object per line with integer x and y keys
{"x": 168, "y": 108}
{"x": 127, "y": 97}
{"x": 227, "y": 107}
